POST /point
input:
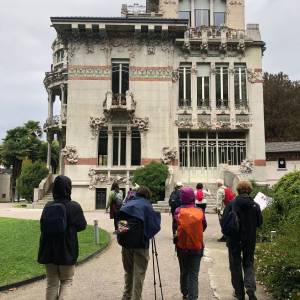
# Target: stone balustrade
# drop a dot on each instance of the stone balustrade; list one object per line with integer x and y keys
{"x": 55, "y": 123}
{"x": 119, "y": 102}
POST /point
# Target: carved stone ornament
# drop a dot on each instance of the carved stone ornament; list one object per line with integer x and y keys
{"x": 140, "y": 123}
{"x": 151, "y": 50}
{"x": 246, "y": 166}
{"x": 96, "y": 178}
{"x": 254, "y": 75}
{"x": 70, "y": 154}
{"x": 184, "y": 123}
{"x": 243, "y": 125}
{"x": 169, "y": 155}
{"x": 175, "y": 75}
{"x": 96, "y": 123}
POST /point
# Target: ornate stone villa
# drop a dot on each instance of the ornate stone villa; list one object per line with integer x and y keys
{"x": 178, "y": 81}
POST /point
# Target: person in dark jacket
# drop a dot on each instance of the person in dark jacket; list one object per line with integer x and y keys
{"x": 241, "y": 247}
{"x": 135, "y": 260}
{"x": 174, "y": 202}
{"x": 59, "y": 253}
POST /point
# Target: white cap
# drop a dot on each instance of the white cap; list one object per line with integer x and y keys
{"x": 220, "y": 181}
{"x": 179, "y": 183}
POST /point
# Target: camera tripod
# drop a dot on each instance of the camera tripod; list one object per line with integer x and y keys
{"x": 155, "y": 262}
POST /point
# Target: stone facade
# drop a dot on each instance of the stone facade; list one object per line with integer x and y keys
{"x": 153, "y": 86}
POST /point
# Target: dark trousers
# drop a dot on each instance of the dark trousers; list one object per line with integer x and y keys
{"x": 242, "y": 260}
{"x": 189, "y": 270}
{"x": 116, "y": 219}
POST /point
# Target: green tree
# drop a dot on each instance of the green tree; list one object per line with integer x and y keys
{"x": 20, "y": 143}
{"x": 282, "y": 108}
{"x": 153, "y": 176}
{"x": 30, "y": 178}
{"x": 54, "y": 154}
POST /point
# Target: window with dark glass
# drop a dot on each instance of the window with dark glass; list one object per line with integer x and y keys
{"x": 120, "y": 79}
{"x": 185, "y": 85}
{"x": 240, "y": 85}
{"x": 222, "y": 86}
{"x": 185, "y": 15}
{"x": 135, "y": 148}
{"x": 102, "y": 148}
{"x": 201, "y": 17}
{"x": 219, "y": 18}
{"x": 203, "y": 85}
{"x": 119, "y": 147}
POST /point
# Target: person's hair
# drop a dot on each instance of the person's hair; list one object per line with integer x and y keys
{"x": 244, "y": 187}
{"x": 199, "y": 186}
{"x": 115, "y": 186}
{"x": 220, "y": 182}
{"x": 143, "y": 192}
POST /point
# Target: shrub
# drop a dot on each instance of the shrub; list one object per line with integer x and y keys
{"x": 30, "y": 178}
{"x": 153, "y": 176}
{"x": 290, "y": 184}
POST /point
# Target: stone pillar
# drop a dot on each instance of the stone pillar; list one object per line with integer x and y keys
{"x": 63, "y": 101}
{"x": 211, "y": 11}
{"x": 128, "y": 147}
{"x": 49, "y": 140}
{"x": 50, "y": 104}
{"x": 213, "y": 101}
{"x": 109, "y": 146}
{"x": 231, "y": 99}
{"x": 194, "y": 91}
{"x": 193, "y": 23}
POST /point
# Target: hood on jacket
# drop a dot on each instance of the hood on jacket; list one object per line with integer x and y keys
{"x": 62, "y": 188}
{"x": 187, "y": 196}
{"x": 244, "y": 201}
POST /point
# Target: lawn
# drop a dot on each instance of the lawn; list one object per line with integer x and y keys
{"x": 19, "y": 240}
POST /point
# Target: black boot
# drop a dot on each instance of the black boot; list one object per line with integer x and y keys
{"x": 251, "y": 295}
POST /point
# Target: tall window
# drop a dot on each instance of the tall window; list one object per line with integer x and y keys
{"x": 185, "y": 85}
{"x": 203, "y": 85}
{"x": 120, "y": 79}
{"x": 135, "y": 148}
{"x": 240, "y": 85}
{"x": 219, "y": 18}
{"x": 201, "y": 17}
{"x": 119, "y": 147}
{"x": 222, "y": 86}
{"x": 185, "y": 15}
{"x": 102, "y": 148}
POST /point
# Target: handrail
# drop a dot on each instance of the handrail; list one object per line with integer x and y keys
{"x": 43, "y": 188}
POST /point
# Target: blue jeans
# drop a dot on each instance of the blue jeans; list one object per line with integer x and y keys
{"x": 189, "y": 265}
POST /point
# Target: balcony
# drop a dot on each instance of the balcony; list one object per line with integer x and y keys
{"x": 56, "y": 78}
{"x": 119, "y": 102}
{"x": 55, "y": 124}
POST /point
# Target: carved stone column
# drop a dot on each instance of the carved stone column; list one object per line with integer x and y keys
{"x": 194, "y": 91}
{"x": 213, "y": 101}
{"x": 109, "y": 146}
{"x": 49, "y": 140}
{"x": 231, "y": 92}
{"x": 63, "y": 101}
{"x": 50, "y": 104}
{"x": 193, "y": 23}
{"x": 128, "y": 147}
{"x": 211, "y": 10}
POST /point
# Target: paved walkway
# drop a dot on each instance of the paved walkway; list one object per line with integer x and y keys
{"x": 102, "y": 277}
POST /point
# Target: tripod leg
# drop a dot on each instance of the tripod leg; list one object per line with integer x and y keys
{"x": 158, "y": 271}
{"x": 153, "y": 264}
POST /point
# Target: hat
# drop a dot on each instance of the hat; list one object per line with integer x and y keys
{"x": 135, "y": 187}
{"x": 187, "y": 195}
{"x": 179, "y": 183}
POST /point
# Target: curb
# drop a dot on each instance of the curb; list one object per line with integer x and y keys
{"x": 43, "y": 276}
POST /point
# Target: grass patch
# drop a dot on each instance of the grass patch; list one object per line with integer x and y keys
{"x": 19, "y": 248}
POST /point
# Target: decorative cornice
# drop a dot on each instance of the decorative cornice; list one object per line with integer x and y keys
{"x": 150, "y": 73}
{"x": 96, "y": 123}
{"x": 82, "y": 72}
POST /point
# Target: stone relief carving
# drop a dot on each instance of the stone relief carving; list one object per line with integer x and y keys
{"x": 175, "y": 75}
{"x": 96, "y": 123}
{"x": 96, "y": 178}
{"x": 140, "y": 123}
{"x": 169, "y": 155}
{"x": 151, "y": 50}
{"x": 246, "y": 166}
{"x": 254, "y": 75}
{"x": 70, "y": 154}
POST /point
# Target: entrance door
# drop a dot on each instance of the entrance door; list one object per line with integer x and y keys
{"x": 100, "y": 198}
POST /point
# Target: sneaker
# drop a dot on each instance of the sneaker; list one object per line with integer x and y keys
{"x": 251, "y": 295}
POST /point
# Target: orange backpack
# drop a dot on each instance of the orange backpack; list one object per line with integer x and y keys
{"x": 190, "y": 228}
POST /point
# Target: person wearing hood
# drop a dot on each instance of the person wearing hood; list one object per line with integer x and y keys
{"x": 135, "y": 252}
{"x": 241, "y": 247}
{"x": 190, "y": 223}
{"x": 60, "y": 221}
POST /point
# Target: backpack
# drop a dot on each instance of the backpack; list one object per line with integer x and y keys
{"x": 190, "y": 228}
{"x": 130, "y": 233}
{"x": 174, "y": 200}
{"x": 230, "y": 223}
{"x": 118, "y": 198}
{"x": 54, "y": 219}
{"x": 199, "y": 195}
{"x": 229, "y": 195}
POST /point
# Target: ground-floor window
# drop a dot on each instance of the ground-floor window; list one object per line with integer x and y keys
{"x": 209, "y": 149}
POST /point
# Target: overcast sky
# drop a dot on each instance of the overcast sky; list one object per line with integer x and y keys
{"x": 26, "y": 37}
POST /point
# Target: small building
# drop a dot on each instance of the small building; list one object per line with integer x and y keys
{"x": 282, "y": 158}
{"x": 4, "y": 185}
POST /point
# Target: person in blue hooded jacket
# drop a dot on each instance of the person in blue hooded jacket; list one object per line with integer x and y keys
{"x": 135, "y": 260}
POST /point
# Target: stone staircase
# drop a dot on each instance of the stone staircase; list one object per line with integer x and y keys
{"x": 41, "y": 203}
{"x": 163, "y": 206}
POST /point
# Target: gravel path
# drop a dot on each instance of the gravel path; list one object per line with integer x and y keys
{"x": 102, "y": 277}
